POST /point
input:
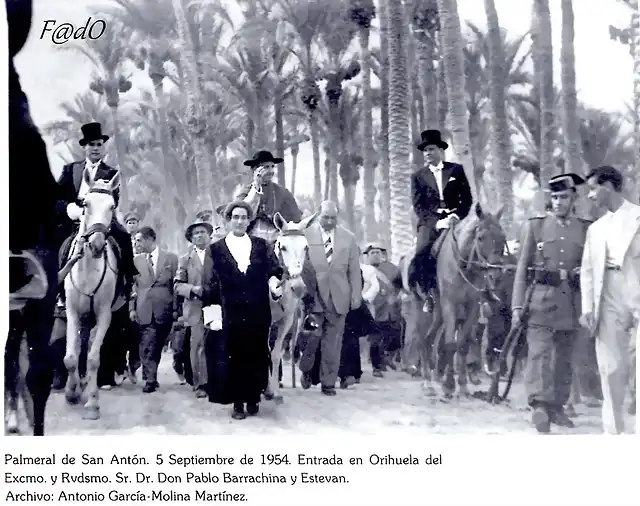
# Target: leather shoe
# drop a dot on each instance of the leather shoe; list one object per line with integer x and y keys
{"x": 559, "y": 417}
{"x": 540, "y": 420}
{"x": 310, "y": 323}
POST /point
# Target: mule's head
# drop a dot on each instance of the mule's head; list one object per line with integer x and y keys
{"x": 291, "y": 245}
{"x": 99, "y": 208}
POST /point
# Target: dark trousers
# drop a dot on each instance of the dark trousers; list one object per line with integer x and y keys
{"x": 114, "y": 347}
{"x": 181, "y": 346}
{"x": 350, "y": 361}
{"x": 386, "y": 340}
{"x": 153, "y": 336}
{"x": 423, "y": 265}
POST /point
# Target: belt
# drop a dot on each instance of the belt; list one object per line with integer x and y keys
{"x": 553, "y": 277}
{"x": 615, "y": 268}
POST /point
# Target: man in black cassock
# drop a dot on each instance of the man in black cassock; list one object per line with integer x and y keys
{"x": 240, "y": 274}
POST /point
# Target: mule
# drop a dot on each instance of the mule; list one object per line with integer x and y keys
{"x": 469, "y": 259}
{"x": 290, "y": 248}
{"x": 16, "y": 365}
{"x": 90, "y": 289}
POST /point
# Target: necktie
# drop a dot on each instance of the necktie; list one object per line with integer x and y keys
{"x": 328, "y": 249}
{"x": 151, "y": 267}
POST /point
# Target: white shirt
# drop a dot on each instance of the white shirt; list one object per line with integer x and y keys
{"x": 201, "y": 253}
{"x": 154, "y": 258}
{"x": 328, "y": 235}
{"x": 240, "y": 249}
{"x": 92, "y": 168}
{"x": 436, "y": 170}
{"x": 371, "y": 284}
{"x": 616, "y": 224}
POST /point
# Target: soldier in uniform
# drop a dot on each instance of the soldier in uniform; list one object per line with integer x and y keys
{"x": 550, "y": 256}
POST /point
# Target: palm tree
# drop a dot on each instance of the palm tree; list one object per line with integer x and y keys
{"x": 384, "y": 187}
{"x": 193, "y": 96}
{"x": 362, "y": 13}
{"x": 543, "y": 56}
{"x": 501, "y": 142}
{"x": 426, "y": 24}
{"x": 453, "y": 61}
{"x": 399, "y": 130}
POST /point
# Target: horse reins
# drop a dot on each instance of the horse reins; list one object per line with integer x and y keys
{"x": 286, "y": 275}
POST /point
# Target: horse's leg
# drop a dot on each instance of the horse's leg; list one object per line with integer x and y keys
{"x": 294, "y": 341}
{"x": 428, "y": 348}
{"x": 273, "y": 392}
{"x": 462, "y": 351}
{"x": 103, "y": 320}
{"x": 450, "y": 324}
{"x": 11, "y": 381}
{"x": 72, "y": 393}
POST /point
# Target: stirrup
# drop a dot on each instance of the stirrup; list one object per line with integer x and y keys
{"x": 36, "y": 288}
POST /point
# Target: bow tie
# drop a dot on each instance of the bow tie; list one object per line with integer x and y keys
{"x": 435, "y": 169}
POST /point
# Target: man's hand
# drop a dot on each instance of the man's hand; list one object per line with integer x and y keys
{"x": 274, "y": 287}
{"x": 588, "y": 321}
{"x": 215, "y": 325}
{"x": 133, "y": 316}
{"x": 257, "y": 177}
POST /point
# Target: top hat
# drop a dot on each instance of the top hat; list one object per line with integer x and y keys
{"x": 373, "y": 246}
{"x": 432, "y": 138}
{"x": 198, "y": 223}
{"x": 564, "y": 182}
{"x": 262, "y": 157}
{"x": 92, "y": 132}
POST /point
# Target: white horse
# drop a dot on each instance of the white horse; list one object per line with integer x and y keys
{"x": 90, "y": 290}
{"x": 291, "y": 250}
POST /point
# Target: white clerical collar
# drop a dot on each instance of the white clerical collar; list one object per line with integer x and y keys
{"x": 236, "y": 238}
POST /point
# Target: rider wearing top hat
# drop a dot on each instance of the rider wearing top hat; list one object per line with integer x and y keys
{"x": 441, "y": 196}
{"x": 71, "y": 191}
{"x": 550, "y": 258}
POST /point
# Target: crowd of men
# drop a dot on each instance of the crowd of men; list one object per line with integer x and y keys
{"x": 571, "y": 275}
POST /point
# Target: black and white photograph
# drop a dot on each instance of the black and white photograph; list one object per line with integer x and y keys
{"x": 323, "y": 217}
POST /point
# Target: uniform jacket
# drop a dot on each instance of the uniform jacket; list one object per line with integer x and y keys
{"x": 551, "y": 245}
{"x": 274, "y": 199}
{"x": 155, "y": 299}
{"x": 188, "y": 276}
{"x": 385, "y": 304}
{"x": 426, "y": 198}
{"x": 592, "y": 271}
{"x": 339, "y": 283}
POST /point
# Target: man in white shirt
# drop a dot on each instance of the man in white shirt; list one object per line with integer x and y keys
{"x": 610, "y": 289}
{"x": 188, "y": 284}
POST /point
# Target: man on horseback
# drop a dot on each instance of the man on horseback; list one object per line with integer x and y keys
{"x": 550, "y": 257}
{"x": 441, "y": 197}
{"x": 266, "y": 199}
{"x": 71, "y": 191}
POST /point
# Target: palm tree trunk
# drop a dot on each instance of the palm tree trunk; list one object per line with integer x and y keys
{"x": 117, "y": 140}
{"x": 384, "y": 187}
{"x": 500, "y": 142}
{"x": 635, "y": 47}
{"x": 417, "y": 156}
{"x": 399, "y": 131}
{"x": 369, "y": 174}
{"x": 570, "y": 128}
{"x": 454, "y": 76}
{"x": 426, "y": 74}
{"x": 442, "y": 100}
{"x": 294, "y": 167}
{"x": 279, "y": 139}
{"x": 544, "y": 54}
{"x": 194, "y": 101}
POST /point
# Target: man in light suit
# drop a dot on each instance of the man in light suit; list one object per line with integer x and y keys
{"x": 610, "y": 289}
{"x": 154, "y": 305}
{"x": 188, "y": 284}
{"x": 334, "y": 254}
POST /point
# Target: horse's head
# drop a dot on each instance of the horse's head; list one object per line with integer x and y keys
{"x": 99, "y": 207}
{"x": 291, "y": 245}
{"x": 481, "y": 242}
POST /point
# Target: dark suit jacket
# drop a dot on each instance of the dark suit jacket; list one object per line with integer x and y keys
{"x": 69, "y": 186}
{"x": 426, "y": 198}
{"x": 155, "y": 300}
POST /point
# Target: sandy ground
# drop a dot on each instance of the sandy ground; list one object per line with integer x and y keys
{"x": 376, "y": 405}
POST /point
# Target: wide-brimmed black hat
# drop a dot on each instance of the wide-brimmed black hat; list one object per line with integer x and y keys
{"x": 374, "y": 246}
{"x": 262, "y": 157}
{"x": 238, "y": 203}
{"x": 92, "y": 132}
{"x": 199, "y": 223}
{"x": 432, "y": 138}
{"x": 564, "y": 182}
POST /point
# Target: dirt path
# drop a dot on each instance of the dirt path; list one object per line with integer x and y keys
{"x": 393, "y": 403}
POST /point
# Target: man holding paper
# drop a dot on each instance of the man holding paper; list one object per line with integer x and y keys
{"x": 240, "y": 274}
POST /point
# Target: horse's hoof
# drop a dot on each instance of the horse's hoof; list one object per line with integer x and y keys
{"x": 12, "y": 423}
{"x": 474, "y": 379}
{"x": 278, "y": 400}
{"x": 428, "y": 390}
{"x": 72, "y": 397}
{"x": 91, "y": 413}
{"x": 268, "y": 396}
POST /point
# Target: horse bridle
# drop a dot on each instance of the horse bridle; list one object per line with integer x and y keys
{"x": 478, "y": 260}
{"x": 98, "y": 227}
{"x": 286, "y": 276}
